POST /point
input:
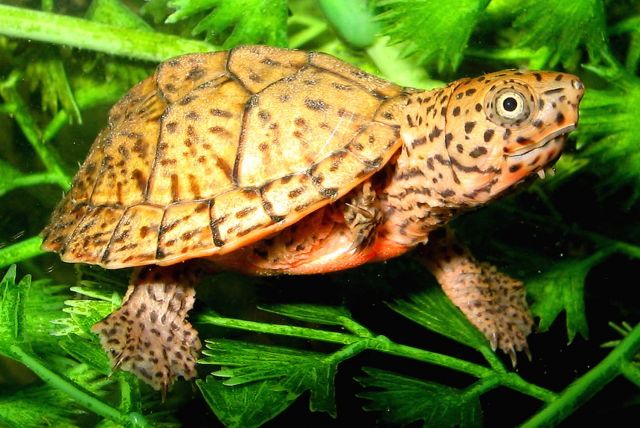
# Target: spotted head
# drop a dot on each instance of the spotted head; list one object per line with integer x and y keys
{"x": 499, "y": 129}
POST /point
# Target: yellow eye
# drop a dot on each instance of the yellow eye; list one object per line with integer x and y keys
{"x": 511, "y": 106}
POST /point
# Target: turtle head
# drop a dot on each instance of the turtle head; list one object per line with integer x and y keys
{"x": 503, "y": 127}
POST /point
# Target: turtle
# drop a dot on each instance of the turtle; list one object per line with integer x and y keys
{"x": 271, "y": 161}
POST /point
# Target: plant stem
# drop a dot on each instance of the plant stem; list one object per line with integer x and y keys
{"x": 383, "y": 344}
{"x": 35, "y": 180}
{"x": 30, "y": 129}
{"x": 84, "y": 34}
{"x": 81, "y": 397}
{"x": 587, "y": 385}
{"x": 20, "y": 251}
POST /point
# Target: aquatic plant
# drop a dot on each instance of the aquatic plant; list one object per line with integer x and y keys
{"x": 573, "y": 238}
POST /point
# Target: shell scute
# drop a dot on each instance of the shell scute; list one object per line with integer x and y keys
{"x": 179, "y": 76}
{"x": 185, "y": 229}
{"x": 281, "y": 194}
{"x": 376, "y": 86}
{"x": 256, "y": 67}
{"x": 195, "y": 156}
{"x": 136, "y": 237}
{"x": 237, "y": 213}
{"x": 92, "y": 235}
{"x": 315, "y": 120}
{"x": 372, "y": 141}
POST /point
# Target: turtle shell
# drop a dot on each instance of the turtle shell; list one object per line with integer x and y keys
{"x": 215, "y": 151}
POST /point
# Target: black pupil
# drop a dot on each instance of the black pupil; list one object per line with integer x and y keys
{"x": 510, "y": 104}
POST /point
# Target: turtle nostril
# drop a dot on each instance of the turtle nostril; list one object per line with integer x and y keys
{"x": 577, "y": 84}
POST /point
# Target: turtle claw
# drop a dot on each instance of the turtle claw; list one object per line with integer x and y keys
{"x": 493, "y": 341}
{"x": 513, "y": 357}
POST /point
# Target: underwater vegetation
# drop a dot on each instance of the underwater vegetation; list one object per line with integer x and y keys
{"x": 379, "y": 344}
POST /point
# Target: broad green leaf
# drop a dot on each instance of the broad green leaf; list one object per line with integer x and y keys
{"x": 249, "y": 405}
{"x": 435, "y": 32}
{"x": 433, "y": 310}
{"x": 562, "y": 26}
{"x": 245, "y": 21}
{"x": 561, "y": 288}
{"x": 297, "y": 371}
{"x": 404, "y": 400}
{"x": 608, "y": 135}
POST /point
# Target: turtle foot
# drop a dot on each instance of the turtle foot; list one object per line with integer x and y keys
{"x": 492, "y": 301}
{"x": 149, "y": 335}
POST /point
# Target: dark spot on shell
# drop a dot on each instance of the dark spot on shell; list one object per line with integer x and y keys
{"x": 171, "y": 127}
{"x": 195, "y": 73}
{"x": 220, "y": 113}
{"x": 317, "y": 105}
{"x": 186, "y": 100}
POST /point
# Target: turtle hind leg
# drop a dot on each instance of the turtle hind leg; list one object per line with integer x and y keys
{"x": 149, "y": 335}
{"x": 494, "y": 302}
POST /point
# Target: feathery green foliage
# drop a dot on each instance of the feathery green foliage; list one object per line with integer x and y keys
{"x": 406, "y": 400}
{"x": 241, "y": 21}
{"x": 63, "y": 64}
{"x": 434, "y": 34}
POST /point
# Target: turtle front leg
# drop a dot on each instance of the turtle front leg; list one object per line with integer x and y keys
{"x": 149, "y": 335}
{"x": 494, "y": 302}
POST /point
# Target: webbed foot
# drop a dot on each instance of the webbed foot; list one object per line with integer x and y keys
{"x": 494, "y": 302}
{"x": 149, "y": 335}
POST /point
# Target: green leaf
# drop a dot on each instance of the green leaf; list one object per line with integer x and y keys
{"x": 37, "y": 406}
{"x": 561, "y": 26}
{"x": 12, "y": 316}
{"x": 88, "y": 352}
{"x": 559, "y": 288}
{"x": 297, "y": 371}
{"x": 608, "y": 136}
{"x": 116, "y": 13}
{"x": 435, "y": 33}
{"x": 241, "y": 21}
{"x": 328, "y": 315}
{"x": 9, "y": 177}
{"x": 45, "y": 71}
{"x": 249, "y": 405}
{"x": 404, "y": 400}
{"x": 433, "y": 310}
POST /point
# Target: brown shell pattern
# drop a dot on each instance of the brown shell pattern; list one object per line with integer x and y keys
{"x": 218, "y": 150}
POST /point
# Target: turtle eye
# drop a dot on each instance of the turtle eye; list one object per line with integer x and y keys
{"x": 511, "y": 106}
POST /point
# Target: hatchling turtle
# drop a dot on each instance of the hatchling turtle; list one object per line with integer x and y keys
{"x": 274, "y": 161}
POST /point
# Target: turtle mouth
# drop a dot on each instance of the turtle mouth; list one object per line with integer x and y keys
{"x": 558, "y": 137}
{"x": 540, "y": 159}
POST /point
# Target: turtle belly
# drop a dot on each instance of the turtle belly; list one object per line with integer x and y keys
{"x": 319, "y": 243}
